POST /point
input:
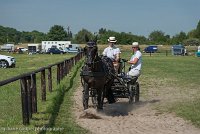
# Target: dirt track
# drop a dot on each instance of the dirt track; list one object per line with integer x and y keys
{"x": 123, "y": 118}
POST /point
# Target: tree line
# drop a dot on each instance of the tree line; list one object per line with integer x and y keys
{"x": 58, "y": 33}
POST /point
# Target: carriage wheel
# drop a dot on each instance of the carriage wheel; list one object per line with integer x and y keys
{"x": 131, "y": 93}
{"x": 85, "y": 96}
{"x": 137, "y": 92}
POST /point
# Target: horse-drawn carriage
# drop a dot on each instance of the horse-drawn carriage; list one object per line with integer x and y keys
{"x": 100, "y": 80}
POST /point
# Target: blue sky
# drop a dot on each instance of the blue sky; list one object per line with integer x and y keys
{"x": 139, "y": 17}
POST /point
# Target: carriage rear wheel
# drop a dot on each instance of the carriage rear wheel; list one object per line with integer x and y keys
{"x": 85, "y": 95}
{"x": 131, "y": 93}
{"x": 134, "y": 92}
{"x": 137, "y": 92}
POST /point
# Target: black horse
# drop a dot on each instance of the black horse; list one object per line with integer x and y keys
{"x": 96, "y": 76}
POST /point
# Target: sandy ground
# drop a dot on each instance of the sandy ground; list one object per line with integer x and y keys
{"x": 125, "y": 118}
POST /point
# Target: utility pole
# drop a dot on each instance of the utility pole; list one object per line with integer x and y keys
{"x": 7, "y": 39}
{"x": 68, "y": 28}
{"x": 69, "y": 33}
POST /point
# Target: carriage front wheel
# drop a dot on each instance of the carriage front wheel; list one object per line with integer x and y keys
{"x": 85, "y": 95}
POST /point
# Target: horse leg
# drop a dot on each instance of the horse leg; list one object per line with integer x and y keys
{"x": 85, "y": 96}
{"x": 100, "y": 99}
{"x": 109, "y": 93}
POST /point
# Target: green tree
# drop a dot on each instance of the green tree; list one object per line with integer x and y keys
{"x": 198, "y": 30}
{"x": 83, "y": 36}
{"x": 195, "y": 33}
{"x": 37, "y": 37}
{"x": 57, "y": 33}
{"x": 102, "y": 30}
{"x": 122, "y": 38}
{"x": 9, "y": 35}
{"x": 179, "y": 38}
{"x": 192, "y": 33}
{"x": 192, "y": 42}
{"x": 157, "y": 37}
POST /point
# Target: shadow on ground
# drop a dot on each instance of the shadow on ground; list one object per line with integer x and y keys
{"x": 123, "y": 108}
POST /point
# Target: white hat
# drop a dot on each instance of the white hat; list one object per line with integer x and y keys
{"x": 135, "y": 44}
{"x": 112, "y": 39}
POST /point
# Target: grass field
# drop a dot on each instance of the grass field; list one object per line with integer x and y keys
{"x": 10, "y": 95}
{"x": 175, "y": 78}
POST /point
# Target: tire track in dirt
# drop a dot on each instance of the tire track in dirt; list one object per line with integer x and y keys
{"x": 125, "y": 118}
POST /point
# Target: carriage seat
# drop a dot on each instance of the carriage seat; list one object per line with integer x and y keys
{"x": 130, "y": 79}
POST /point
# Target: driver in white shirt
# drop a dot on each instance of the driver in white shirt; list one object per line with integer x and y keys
{"x": 113, "y": 52}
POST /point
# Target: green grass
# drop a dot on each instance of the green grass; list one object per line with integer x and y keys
{"x": 10, "y": 95}
{"x": 189, "y": 110}
{"x": 62, "y": 114}
{"x": 180, "y": 75}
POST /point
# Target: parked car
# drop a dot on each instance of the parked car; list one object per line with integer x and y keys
{"x": 24, "y": 49}
{"x": 151, "y": 49}
{"x": 55, "y": 51}
{"x": 179, "y": 50}
{"x": 7, "y": 61}
{"x": 71, "y": 50}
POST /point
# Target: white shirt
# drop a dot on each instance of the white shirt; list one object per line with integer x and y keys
{"x": 111, "y": 52}
{"x": 138, "y": 65}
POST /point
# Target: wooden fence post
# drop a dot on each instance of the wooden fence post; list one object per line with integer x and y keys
{"x": 34, "y": 93}
{"x": 50, "y": 79}
{"x": 43, "y": 85}
{"x": 74, "y": 61}
{"x": 29, "y": 89}
{"x": 71, "y": 63}
{"x": 61, "y": 70}
{"x": 67, "y": 66}
{"x": 24, "y": 98}
{"x": 58, "y": 74}
{"x": 65, "y": 70}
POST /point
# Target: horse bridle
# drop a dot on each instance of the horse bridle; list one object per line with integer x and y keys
{"x": 94, "y": 61}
